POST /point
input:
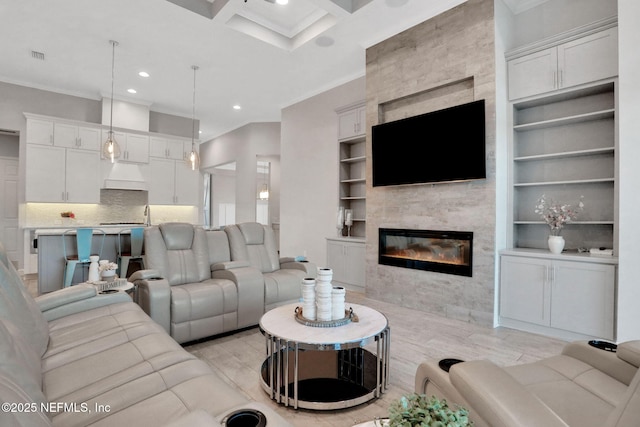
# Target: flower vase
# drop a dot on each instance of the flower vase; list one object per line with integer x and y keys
{"x": 109, "y": 275}
{"x": 556, "y": 244}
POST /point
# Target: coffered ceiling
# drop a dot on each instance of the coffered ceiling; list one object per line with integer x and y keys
{"x": 255, "y": 54}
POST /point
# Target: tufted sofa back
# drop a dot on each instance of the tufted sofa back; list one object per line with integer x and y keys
{"x": 179, "y": 251}
{"x": 255, "y": 243}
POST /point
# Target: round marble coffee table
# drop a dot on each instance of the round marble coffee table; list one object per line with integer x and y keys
{"x": 325, "y": 368}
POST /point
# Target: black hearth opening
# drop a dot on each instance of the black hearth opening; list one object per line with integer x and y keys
{"x": 440, "y": 251}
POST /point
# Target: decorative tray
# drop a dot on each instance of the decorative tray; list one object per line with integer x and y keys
{"x": 349, "y": 316}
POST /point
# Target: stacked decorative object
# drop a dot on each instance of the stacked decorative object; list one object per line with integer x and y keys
{"x": 337, "y": 302}
{"x": 323, "y": 294}
{"x": 309, "y": 298}
{"x": 94, "y": 269}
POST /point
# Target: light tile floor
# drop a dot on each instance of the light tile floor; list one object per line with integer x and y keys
{"x": 415, "y": 336}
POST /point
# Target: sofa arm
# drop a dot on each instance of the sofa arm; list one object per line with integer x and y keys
{"x": 229, "y": 265}
{"x": 75, "y": 299}
{"x": 249, "y": 283}
{"x": 605, "y": 361}
{"x": 309, "y": 268}
{"x": 154, "y": 297}
{"x": 498, "y": 398}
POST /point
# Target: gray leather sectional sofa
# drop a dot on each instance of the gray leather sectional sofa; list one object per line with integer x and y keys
{"x": 76, "y": 358}
{"x": 202, "y": 283}
{"x": 584, "y": 386}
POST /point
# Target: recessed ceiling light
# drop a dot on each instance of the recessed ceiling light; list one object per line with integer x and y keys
{"x": 237, "y": 107}
{"x": 143, "y": 74}
{"x": 282, "y": 2}
{"x": 132, "y": 91}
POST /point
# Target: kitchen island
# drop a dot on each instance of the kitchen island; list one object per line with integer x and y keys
{"x": 51, "y": 261}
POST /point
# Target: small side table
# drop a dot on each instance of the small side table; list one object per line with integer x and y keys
{"x": 113, "y": 287}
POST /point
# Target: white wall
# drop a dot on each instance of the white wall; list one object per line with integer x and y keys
{"x": 629, "y": 155}
{"x": 243, "y": 146}
{"x": 309, "y": 161}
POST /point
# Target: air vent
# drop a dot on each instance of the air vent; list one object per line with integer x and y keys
{"x": 9, "y": 132}
{"x": 37, "y": 55}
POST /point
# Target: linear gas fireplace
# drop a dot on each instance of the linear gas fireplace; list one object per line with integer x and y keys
{"x": 441, "y": 251}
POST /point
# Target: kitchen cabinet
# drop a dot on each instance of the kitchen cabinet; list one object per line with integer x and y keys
{"x": 171, "y": 182}
{"x": 558, "y": 295}
{"x": 346, "y": 257}
{"x": 57, "y": 174}
{"x": 39, "y": 131}
{"x": 352, "y": 122}
{"x": 71, "y": 136}
{"x": 134, "y": 148}
{"x": 580, "y": 60}
{"x": 167, "y": 148}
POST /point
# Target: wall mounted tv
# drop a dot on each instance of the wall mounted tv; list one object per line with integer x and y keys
{"x": 441, "y": 146}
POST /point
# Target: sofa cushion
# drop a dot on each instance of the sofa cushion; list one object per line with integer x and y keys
{"x": 577, "y": 392}
{"x": 178, "y": 251}
{"x": 218, "y": 246}
{"x": 18, "y": 306}
{"x": 282, "y": 287}
{"x": 19, "y": 363}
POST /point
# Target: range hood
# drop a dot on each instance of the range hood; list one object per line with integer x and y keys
{"x": 125, "y": 176}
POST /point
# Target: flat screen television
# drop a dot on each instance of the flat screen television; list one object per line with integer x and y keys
{"x": 441, "y": 146}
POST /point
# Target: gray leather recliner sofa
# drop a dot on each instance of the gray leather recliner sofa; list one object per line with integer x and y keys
{"x": 74, "y": 357}
{"x": 255, "y": 243}
{"x": 584, "y": 386}
{"x": 196, "y": 285}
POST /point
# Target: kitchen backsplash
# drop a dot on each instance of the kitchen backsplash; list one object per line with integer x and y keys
{"x": 116, "y": 206}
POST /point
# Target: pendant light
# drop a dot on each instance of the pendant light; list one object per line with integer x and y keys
{"x": 193, "y": 159}
{"x": 110, "y": 148}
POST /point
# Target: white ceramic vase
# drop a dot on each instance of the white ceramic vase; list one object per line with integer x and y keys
{"x": 109, "y": 275}
{"x": 94, "y": 271}
{"x": 556, "y": 244}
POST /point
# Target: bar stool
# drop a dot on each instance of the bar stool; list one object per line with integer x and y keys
{"x": 135, "y": 252}
{"x": 84, "y": 239}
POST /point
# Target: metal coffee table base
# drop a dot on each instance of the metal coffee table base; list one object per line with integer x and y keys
{"x": 323, "y": 377}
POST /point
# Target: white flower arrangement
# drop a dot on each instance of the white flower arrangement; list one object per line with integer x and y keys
{"x": 557, "y": 215}
{"x": 108, "y": 266}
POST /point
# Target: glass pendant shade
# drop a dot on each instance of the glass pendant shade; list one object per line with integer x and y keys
{"x": 111, "y": 148}
{"x": 193, "y": 159}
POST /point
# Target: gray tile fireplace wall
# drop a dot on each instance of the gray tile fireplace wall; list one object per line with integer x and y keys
{"x": 446, "y": 61}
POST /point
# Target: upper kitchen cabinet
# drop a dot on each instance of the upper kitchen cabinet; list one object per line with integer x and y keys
{"x": 171, "y": 182}
{"x": 168, "y": 148}
{"x": 44, "y": 131}
{"x": 134, "y": 148}
{"x": 571, "y": 59}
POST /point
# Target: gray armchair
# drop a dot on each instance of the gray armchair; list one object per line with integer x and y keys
{"x": 255, "y": 243}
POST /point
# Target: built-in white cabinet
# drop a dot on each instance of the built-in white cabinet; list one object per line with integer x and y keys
{"x": 564, "y": 297}
{"x": 352, "y": 122}
{"x": 62, "y": 134}
{"x": 58, "y": 174}
{"x": 579, "y": 60}
{"x": 346, "y": 257}
{"x": 171, "y": 182}
{"x": 134, "y": 148}
{"x": 352, "y": 165}
{"x": 168, "y": 148}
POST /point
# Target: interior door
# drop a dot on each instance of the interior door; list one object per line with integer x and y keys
{"x": 9, "y": 203}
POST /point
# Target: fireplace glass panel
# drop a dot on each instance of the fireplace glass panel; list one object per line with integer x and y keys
{"x": 440, "y": 251}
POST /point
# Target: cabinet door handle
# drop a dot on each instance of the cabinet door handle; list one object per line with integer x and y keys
{"x": 51, "y": 139}
{"x": 67, "y": 199}
{"x": 555, "y": 79}
{"x": 62, "y": 196}
{"x": 560, "y": 79}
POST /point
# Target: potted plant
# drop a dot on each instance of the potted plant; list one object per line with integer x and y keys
{"x": 416, "y": 410}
